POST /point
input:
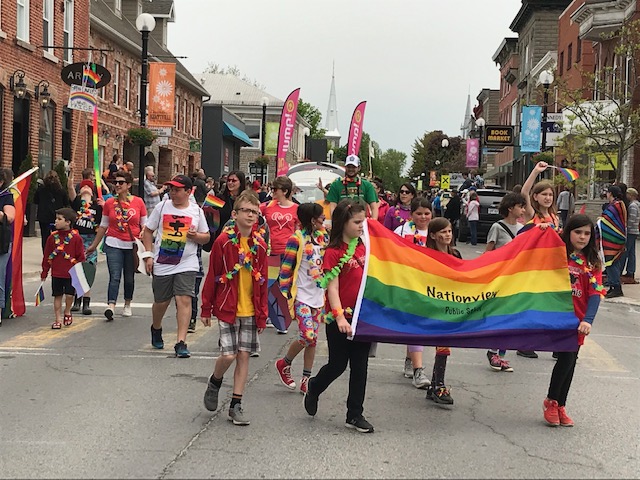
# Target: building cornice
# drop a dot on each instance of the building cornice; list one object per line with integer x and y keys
{"x": 597, "y": 17}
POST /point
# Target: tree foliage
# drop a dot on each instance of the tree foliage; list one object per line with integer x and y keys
{"x": 429, "y": 154}
{"x": 610, "y": 123}
{"x": 235, "y": 71}
{"x": 313, "y": 116}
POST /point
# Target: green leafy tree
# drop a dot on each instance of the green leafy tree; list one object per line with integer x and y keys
{"x": 313, "y": 117}
{"x": 429, "y": 154}
{"x": 388, "y": 165}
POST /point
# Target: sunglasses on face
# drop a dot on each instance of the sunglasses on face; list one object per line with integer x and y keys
{"x": 248, "y": 211}
{"x": 120, "y": 182}
{"x": 407, "y": 192}
{"x": 232, "y": 180}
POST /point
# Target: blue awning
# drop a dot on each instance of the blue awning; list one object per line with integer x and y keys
{"x": 229, "y": 130}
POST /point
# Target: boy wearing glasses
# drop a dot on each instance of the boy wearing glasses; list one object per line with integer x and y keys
{"x": 235, "y": 291}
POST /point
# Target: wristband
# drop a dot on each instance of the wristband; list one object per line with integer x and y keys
{"x": 147, "y": 254}
{"x": 336, "y": 312}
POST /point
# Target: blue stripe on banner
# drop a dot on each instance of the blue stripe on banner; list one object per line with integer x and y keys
{"x": 394, "y": 320}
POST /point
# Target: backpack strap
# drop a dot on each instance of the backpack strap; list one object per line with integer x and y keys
{"x": 506, "y": 229}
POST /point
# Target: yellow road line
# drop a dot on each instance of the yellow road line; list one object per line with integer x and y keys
{"x": 593, "y": 356}
{"x": 45, "y": 335}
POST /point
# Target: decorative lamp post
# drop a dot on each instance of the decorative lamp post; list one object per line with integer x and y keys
{"x": 265, "y": 104}
{"x": 19, "y": 87}
{"x": 546, "y": 79}
{"x": 42, "y": 93}
{"x": 306, "y": 132}
{"x": 480, "y": 123}
{"x": 145, "y": 23}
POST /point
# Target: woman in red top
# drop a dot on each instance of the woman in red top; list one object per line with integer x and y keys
{"x": 281, "y": 215}
{"x": 343, "y": 269}
{"x": 123, "y": 217}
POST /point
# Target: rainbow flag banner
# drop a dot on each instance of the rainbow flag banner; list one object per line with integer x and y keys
{"x": 515, "y": 297}
{"x": 212, "y": 201}
{"x": 568, "y": 173}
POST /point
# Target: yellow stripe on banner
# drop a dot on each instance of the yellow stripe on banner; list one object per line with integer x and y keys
{"x": 594, "y": 357}
{"x": 412, "y": 279}
{"x": 45, "y": 335}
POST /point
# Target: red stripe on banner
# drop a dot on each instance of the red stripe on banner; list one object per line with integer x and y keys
{"x": 17, "y": 292}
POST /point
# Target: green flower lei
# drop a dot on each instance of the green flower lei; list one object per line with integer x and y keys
{"x": 335, "y": 271}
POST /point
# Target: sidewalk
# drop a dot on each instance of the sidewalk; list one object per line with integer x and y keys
{"x": 32, "y": 266}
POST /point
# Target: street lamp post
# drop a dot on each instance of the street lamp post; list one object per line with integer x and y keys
{"x": 145, "y": 23}
{"x": 445, "y": 145}
{"x": 265, "y": 104}
{"x": 306, "y": 132}
{"x": 546, "y": 79}
{"x": 480, "y": 123}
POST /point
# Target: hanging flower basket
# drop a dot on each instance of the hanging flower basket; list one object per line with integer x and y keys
{"x": 141, "y": 136}
{"x": 262, "y": 161}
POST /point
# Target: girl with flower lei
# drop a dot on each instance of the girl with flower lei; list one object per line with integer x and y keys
{"x": 585, "y": 273}
{"x": 416, "y": 231}
{"x": 401, "y": 213}
{"x": 299, "y": 281}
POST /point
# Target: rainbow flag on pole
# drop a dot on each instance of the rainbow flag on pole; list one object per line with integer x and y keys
{"x": 515, "y": 297}
{"x": 212, "y": 201}
{"x": 40, "y": 294}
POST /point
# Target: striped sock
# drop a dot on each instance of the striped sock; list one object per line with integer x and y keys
{"x": 306, "y": 373}
{"x": 235, "y": 399}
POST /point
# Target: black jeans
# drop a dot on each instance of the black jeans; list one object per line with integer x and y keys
{"x": 562, "y": 376}
{"x": 341, "y": 352}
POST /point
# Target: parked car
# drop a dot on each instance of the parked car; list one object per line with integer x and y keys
{"x": 305, "y": 176}
{"x": 490, "y": 199}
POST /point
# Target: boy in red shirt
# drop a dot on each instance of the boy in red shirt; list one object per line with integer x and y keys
{"x": 64, "y": 248}
{"x": 235, "y": 291}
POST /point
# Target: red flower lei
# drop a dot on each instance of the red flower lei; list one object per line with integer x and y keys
{"x": 122, "y": 216}
{"x": 346, "y": 181}
{"x": 85, "y": 212}
{"x": 60, "y": 244}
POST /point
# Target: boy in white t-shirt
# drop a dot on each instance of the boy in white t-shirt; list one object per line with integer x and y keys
{"x": 502, "y": 232}
{"x": 181, "y": 226}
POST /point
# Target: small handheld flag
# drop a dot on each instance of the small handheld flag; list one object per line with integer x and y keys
{"x": 212, "y": 201}
{"x": 79, "y": 280}
{"x": 568, "y": 173}
{"x": 40, "y": 294}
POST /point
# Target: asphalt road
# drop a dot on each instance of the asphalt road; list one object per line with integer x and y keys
{"x": 95, "y": 400}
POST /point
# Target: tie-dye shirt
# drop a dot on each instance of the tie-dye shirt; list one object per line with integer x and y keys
{"x": 173, "y": 252}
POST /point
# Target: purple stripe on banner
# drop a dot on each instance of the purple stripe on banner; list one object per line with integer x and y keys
{"x": 540, "y": 340}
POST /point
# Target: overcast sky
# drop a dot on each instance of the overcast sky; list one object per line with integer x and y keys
{"x": 413, "y": 61}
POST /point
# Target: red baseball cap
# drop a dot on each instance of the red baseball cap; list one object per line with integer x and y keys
{"x": 86, "y": 183}
{"x": 180, "y": 181}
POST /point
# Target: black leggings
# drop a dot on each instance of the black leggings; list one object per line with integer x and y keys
{"x": 342, "y": 352}
{"x": 562, "y": 376}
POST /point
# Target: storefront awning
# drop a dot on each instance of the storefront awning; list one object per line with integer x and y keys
{"x": 229, "y": 130}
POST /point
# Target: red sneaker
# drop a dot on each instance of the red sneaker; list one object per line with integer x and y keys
{"x": 565, "y": 420}
{"x": 304, "y": 385}
{"x": 550, "y": 409}
{"x": 284, "y": 372}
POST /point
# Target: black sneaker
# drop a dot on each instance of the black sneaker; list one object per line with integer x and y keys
{"x": 192, "y": 326}
{"x": 360, "y": 424}
{"x": 211, "y": 396}
{"x": 527, "y": 353}
{"x": 440, "y": 395}
{"x": 108, "y": 313}
{"x": 614, "y": 292}
{"x": 156, "y": 338}
{"x": 310, "y": 403}
{"x": 181, "y": 350}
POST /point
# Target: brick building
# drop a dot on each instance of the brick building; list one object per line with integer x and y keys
{"x": 112, "y": 28}
{"x": 33, "y": 115}
{"x": 536, "y": 24}
{"x": 506, "y": 57}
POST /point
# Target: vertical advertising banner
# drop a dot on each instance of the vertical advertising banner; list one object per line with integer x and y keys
{"x": 531, "y": 131}
{"x": 162, "y": 94}
{"x": 271, "y": 133}
{"x": 287, "y": 125}
{"x": 473, "y": 152}
{"x": 433, "y": 179}
{"x": 355, "y": 129}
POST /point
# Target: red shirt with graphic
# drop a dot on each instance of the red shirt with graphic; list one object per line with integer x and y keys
{"x": 350, "y": 275}
{"x": 282, "y": 222}
{"x": 582, "y": 288}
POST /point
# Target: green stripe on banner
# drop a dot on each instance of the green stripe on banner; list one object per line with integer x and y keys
{"x": 423, "y": 305}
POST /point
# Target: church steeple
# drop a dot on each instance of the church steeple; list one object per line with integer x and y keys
{"x": 466, "y": 123}
{"x": 331, "y": 123}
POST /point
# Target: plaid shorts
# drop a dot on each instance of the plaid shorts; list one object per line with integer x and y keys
{"x": 240, "y": 336}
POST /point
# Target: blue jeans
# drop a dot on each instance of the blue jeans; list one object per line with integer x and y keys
{"x": 631, "y": 253}
{"x": 473, "y": 227}
{"x": 119, "y": 261}
{"x": 615, "y": 270}
{"x": 4, "y": 260}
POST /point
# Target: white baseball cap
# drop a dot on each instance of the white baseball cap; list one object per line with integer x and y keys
{"x": 352, "y": 160}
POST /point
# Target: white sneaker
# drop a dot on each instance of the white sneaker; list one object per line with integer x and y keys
{"x": 126, "y": 311}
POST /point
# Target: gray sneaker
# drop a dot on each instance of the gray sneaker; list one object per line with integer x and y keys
{"x": 211, "y": 397}
{"x": 408, "y": 368}
{"x": 420, "y": 380}
{"x": 236, "y": 415}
